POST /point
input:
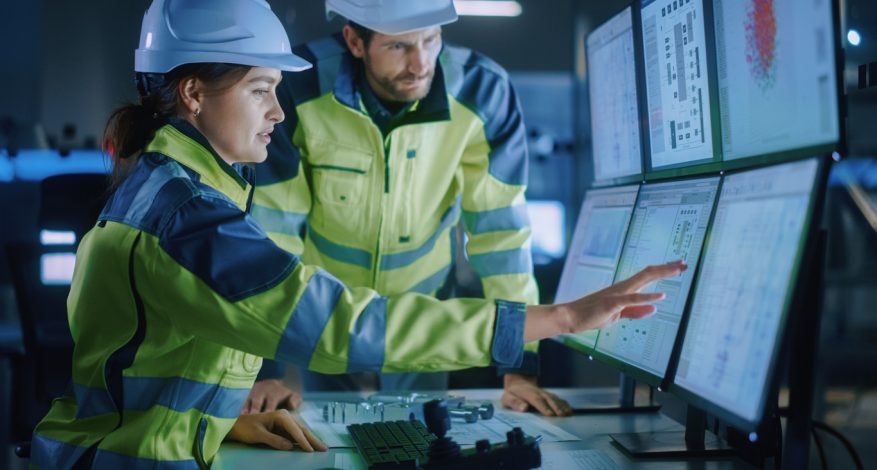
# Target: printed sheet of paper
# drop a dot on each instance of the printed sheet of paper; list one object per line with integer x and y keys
{"x": 577, "y": 459}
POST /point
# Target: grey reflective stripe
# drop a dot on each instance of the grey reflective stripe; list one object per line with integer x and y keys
{"x": 309, "y": 319}
{"x": 508, "y": 335}
{"x": 407, "y": 258}
{"x": 342, "y": 253}
{"x": 432, "y": 283}
{"x": 278, "y": 221}
{"x": 146, "y": 194}
{"x": 368, "y": 338}
{"x": 92, "y": 401}
{"x": 175, "y": 393}
{"x": 107, "y": 459}
{"x": 180, "y": 394}
{"x": 494, "y": 263}
{"x": 51, "y": 453}
{"x": 504, "y": 218}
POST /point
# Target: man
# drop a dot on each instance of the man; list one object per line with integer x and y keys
{"x": 389, "y": 140}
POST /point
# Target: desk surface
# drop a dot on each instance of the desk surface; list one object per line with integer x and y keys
{"x": 593, "y": 430}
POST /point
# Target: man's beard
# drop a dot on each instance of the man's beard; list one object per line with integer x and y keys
{"x": 391, "y": 87}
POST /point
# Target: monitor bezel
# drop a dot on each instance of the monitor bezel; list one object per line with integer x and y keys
{"x": 793, "y": 296}
{"x": 643, "y": 375}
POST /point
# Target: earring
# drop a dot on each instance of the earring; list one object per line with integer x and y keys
{"x": 196, "y": 113}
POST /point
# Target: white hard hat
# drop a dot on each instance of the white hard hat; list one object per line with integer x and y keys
{"x": 394, "y": 17}
{"x": 242, "y": 32}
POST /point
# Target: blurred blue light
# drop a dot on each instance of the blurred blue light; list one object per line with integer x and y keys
{"x": 854, "y": 37}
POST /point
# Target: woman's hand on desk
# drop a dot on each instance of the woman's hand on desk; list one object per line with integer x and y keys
{"x": 270, "y": 395}
{"x": 277, "y": 429}
{"x": 602, "y": 308}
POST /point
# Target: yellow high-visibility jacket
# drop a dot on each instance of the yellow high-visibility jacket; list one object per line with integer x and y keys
{"x": 177, "y": 296}
{"x": 380, "y": 210}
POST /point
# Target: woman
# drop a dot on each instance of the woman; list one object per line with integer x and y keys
{"x": 178, "y": 293}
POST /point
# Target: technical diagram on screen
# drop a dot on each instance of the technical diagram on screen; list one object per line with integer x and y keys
{"x": 744, "y": 287}
{"x": 669, "y": 223}
{"x": 776, "y": 75}
{"x": 677, "y": 82}
{"x": 595, "y": 247}
{"x": 613, "y": 98}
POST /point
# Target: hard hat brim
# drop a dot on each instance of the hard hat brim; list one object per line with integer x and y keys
{"x": 408, "y": 25}
{"x": 150, "y": 61}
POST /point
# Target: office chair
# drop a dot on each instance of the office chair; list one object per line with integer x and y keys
{"x": 69, "y": 207}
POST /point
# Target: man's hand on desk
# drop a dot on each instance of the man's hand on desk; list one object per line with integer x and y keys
{"x": 270, "y": 395}
{"x": 521, "y": 391}
{"x": 277, "y": 429}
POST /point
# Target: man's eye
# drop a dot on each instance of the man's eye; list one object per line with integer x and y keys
{"x": 261, "y": 92}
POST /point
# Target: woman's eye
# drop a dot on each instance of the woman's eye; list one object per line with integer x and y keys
{"x": 261, "y": 92}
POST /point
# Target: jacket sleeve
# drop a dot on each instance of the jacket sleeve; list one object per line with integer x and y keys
{"x": 226, "y": 282}
{"x": 494, "y": 207}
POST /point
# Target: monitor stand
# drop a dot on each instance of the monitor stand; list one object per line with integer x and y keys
{"x": 626, "y": 402}
{"x": 695, "y": 441}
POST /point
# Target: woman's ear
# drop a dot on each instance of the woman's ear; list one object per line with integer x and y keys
{"x": 191, "y": 94}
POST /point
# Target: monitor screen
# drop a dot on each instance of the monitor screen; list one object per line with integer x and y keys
{"x": 776, "y": 75}
{"x": 595, "y": 247}
{"x": 548, "y": 223}
{"x": 677, "y": 82}
{"x": 744, "y": 286}
{"x": 612, "y": 92}
{"x": 669, "y": 223}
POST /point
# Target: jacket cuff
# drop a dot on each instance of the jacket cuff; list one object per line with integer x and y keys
{"x": 508, "y": 335}
{"x": 529, "y": 366}
{"x": 271, "y": 370}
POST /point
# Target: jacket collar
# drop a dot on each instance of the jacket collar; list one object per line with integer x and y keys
{"x": 181, "y": 141}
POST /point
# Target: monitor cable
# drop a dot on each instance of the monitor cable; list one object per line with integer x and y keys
{"x": 814, "y": 425}
{"x": 818, "y": 441}
{"x": 846, "y": 442}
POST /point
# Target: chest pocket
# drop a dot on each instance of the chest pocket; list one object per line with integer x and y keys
{"x": 339, "y": 174}
{"x": 243, "y": 365}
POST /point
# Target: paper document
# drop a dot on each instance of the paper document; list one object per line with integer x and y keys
{"x": 349, "y": 462}
{"x": 575, "y": 459}
{"x": 334, "y": 435}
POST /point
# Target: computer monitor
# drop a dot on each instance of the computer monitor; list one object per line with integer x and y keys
{"x": 548, "y": 223}
{"x": 677, "y": 76}
{"x": 613, "y": 97}
{"x": 741, "y": 298}
{"x": 777, "y": 76}
{"x": 595, "y": 248}
{"x": 669, "y": 223}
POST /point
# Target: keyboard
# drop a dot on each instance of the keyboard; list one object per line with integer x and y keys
{"x": 388, "y": 444}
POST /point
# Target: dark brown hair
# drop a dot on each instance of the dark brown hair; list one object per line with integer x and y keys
{"x": 132, "y": 126}
{"x": 364, "y": 33}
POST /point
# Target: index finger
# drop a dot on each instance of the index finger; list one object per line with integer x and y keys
{"x": 652, "y": 274}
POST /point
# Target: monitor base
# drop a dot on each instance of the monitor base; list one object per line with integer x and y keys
{"x": 670, "y": 444}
